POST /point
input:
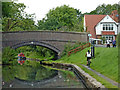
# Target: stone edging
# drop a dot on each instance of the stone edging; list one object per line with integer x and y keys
{"x": 92, "y": 82}
{"x": 89, "y": 80}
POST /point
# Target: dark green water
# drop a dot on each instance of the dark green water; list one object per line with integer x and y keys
{"x": 38, "y": 77}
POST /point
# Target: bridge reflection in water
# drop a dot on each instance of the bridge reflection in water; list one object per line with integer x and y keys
{"x": 59, "y": 80}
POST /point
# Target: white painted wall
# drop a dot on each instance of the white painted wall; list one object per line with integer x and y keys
{"x": 106, "y": 19}
{"x": 98, "y": 29}
{"x": 119, "y": 28}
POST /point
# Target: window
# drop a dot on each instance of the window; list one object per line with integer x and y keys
{"x": 107, "y": 37}
{"x": 111, "y": 37}
{"x": 103, "y": 26}
{"x": 107, "y": 27}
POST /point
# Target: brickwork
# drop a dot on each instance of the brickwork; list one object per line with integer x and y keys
{"x": 49, "y": 39}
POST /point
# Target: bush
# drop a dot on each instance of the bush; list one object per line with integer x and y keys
{"x": 9, "y": 56}
{"x": 70, "y": 46}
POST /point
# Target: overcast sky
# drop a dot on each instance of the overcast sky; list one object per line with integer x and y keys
{"x": 41, "y": 7}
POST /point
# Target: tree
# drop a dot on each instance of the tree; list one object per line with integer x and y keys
{"x": 63, "y": 17}
{"x": 9, "y": 56}
{"x": 105, "y": 9}
{"x": 14, "y": 18}
{"x": 11, "y": 9}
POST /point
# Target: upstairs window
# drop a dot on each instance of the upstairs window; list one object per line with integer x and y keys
{"x": 107, "y": 27}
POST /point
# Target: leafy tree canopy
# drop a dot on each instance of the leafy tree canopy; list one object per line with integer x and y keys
{"x": 62, "y": 18}
{"x": 105, "y": 9}
{"x": 11, "y": 9}
{"x": 15, "y": 19}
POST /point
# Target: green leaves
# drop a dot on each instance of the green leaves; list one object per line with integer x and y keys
{"x": 15, "y": 19}
{"x": 105, "y": 9}
{"x": 36, "y": 52}
{"x": 9, "y": 56}
{"x": 60, "y": 18}
{"x": 12, "y": 10}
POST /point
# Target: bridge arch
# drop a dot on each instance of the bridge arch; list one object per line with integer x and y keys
{"x": 50, "y": 39}
{"x": 57, "y": 51}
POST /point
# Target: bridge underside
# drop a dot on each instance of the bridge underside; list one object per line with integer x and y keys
{"x": 38, "y": 44}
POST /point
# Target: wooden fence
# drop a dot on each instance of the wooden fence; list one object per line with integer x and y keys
{"x": 78, "y": 49}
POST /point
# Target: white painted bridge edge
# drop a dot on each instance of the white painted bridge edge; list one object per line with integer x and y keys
{"x": 90, "y": 79}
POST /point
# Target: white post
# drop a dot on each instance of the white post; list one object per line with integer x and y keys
{"x": 113, "y": 37}
{"x": 96, "y": 42}
{"x": 101, "y": 41}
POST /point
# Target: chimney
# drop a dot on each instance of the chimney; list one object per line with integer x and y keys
{"x": 115, "y": 15}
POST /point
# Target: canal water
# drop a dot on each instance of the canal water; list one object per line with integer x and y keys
{"x": 40, "y": 77}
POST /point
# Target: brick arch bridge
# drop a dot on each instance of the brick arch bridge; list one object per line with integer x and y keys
{"x": 49, "y": 39}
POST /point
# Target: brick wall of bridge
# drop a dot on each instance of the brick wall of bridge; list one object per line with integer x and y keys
{"x": 51, "y": 38}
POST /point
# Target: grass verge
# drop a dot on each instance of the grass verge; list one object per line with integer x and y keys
{"x": 105, "y": 62}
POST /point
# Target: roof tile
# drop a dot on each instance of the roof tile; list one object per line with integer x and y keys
{"x": 91, "y": 21}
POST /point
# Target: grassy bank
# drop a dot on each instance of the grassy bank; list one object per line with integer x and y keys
{"x": 105, "y": 62}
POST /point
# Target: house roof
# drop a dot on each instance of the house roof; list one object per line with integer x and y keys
{"x": 91, "y": 21}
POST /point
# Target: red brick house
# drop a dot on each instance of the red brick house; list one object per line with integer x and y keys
{"x": 102, "y": 25}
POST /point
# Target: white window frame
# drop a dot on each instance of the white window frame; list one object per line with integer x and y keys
{"x": 107, "y": 37}
{"x": 108, "y": 27}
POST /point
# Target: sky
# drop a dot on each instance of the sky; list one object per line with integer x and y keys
{"x": 42, "y": 7}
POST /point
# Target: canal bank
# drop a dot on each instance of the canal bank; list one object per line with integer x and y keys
{"x": 87, "y": 80}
